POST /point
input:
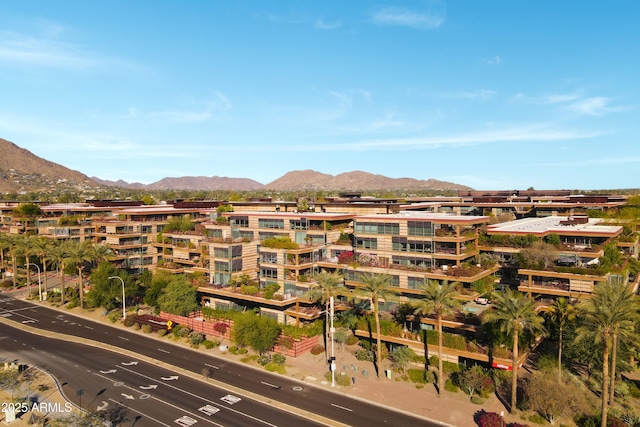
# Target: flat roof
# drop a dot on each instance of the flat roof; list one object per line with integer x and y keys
{"x": 551, "y": 224}
{"x": 427, "y": 216}
{"x": 312, "y": 215}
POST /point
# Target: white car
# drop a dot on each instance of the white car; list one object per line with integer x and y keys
{"x": 482, "y": 301}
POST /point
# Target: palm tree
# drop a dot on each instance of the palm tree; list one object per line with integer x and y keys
{"x": 561, "y": 313}
{"x": 100, "y": 253}
{"x": 327, "y": 285}
{"x": 612, "y": 307}
{"x": 24, "y": 246}
{"x": 515, "y": 314}
{"x": 80, "y": 253}
{"x": 59, "y": 256}
{"x": 11, "y": 244}
{"x": 438, "y": 299}
{"x": 5, "y": 244}
{"x": 42, "y": 246}
{"x": 374, "y": 288}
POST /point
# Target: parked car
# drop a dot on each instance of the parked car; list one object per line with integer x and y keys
{"x": 482, "y": 301}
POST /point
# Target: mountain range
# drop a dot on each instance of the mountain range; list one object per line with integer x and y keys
{"x": 22, "y": 171}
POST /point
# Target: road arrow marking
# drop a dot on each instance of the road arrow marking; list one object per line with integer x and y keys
{"x": 28, "y": 321}
{"x": 171, "y": 378}
{"x": 149, "y": 387}
{"x": 110, "y": 371}
{"x": 129, "y": 363}
{"x": 128, "y": 396}
{"x": 103, "y": 406}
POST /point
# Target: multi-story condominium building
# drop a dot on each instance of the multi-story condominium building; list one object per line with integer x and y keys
{"x": 264, "y": 254}
{"x": 576, "y": 242}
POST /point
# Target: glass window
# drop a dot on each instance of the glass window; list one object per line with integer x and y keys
{"x": 366, "y": 243}
{"x": 420, "y": 228}
{"x": 377, "y": 228}
{"x": 239, "y": 221}
{"x": 271, "y": 223}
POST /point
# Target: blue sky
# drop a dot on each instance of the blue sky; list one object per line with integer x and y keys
{"x": 489, "y": 94}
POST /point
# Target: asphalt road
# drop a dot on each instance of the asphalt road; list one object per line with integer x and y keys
{"x": 270, "y": 387}
{"x": 130, "y": 392}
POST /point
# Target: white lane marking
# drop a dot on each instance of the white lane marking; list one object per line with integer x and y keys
{"x": 142, "y": 413}
{"x": 201, "y": 398}
{"x": 342, "y": 407}
{"x": 270, "y": 385}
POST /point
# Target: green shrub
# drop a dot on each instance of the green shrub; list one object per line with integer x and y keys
{"x": 477, "y": 400}
{"x": 535, "y": 418}
{"x": 146, "y": 329}
{"x": 279, "y": 359}
{"x": 196, "y": 338}
{"x": 113, "y": 316}
{"x": 263, "y": 359}
{"x": 128, "y": 321}
{"x": 233, "y": 349}
{"x": 418, "y": 376}
{"x": 547, "y": 362}
{"x": 351, "y": 340}
{"x": 365, "y": 355}
{"x": 317, "y": 349}
{"x": 633, "y": 389}
{"x": 450, "y": 386}
{"x": 136, "y": 326}
{"x": 341, "y": 379}
{"x": 242, "y": 350}
{"x": 275, "y": 367}
{"x": 181, "y": 331}
{"x": 161, "y": 332}
{"x": 208, "y": 344}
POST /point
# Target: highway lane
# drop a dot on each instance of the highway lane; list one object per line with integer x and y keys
{"x": 130, "y": 392}
{"x": 338, "y": 407}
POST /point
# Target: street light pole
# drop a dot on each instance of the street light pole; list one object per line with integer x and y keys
{"x": 124, "y": 307}
{"x": 332, "y": 330}
{"x": 39, "y": 281}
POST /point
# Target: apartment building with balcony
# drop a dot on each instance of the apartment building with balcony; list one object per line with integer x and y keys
{"x": 578, "y": 243}
{"x": 270, "y": 248}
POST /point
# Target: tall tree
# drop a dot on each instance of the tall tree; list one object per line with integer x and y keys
{"x": 439, "y": 300}
{"x": 24, "y": 246}
{"x": 374, "y": 288}
{"x": 59, "y": 257}
{"x": 100, "y": 253}
{"x": 5, "y": 245}
{"x": 11, "y": 240}
{"x": 80, "y": 253}
{"x": 561, "y": 313}
{"x": 178, "y": 297}
{"x": 515, "y": 314}
{"x": 41, "y": 246}
{"x": 327, "y": 285}
{"x": 611, "y": 307}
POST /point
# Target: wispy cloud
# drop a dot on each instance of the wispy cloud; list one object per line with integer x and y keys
{"x": 297, "y": 18}
{"x": 596, "y": 106}
{"x": 46, "y": 49}
{"x": 320, "y": 24}
{"x": 400, "y": 17}
{"x": 496, "y": 60}
{"x": 561, "y": 98}
{"x": 600, "y": 161}
{"x": 23, "y": 49}
{"x": 509, "y": 134}
{"x": 480, "y": 94}
{"x": 213, "y": 108}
